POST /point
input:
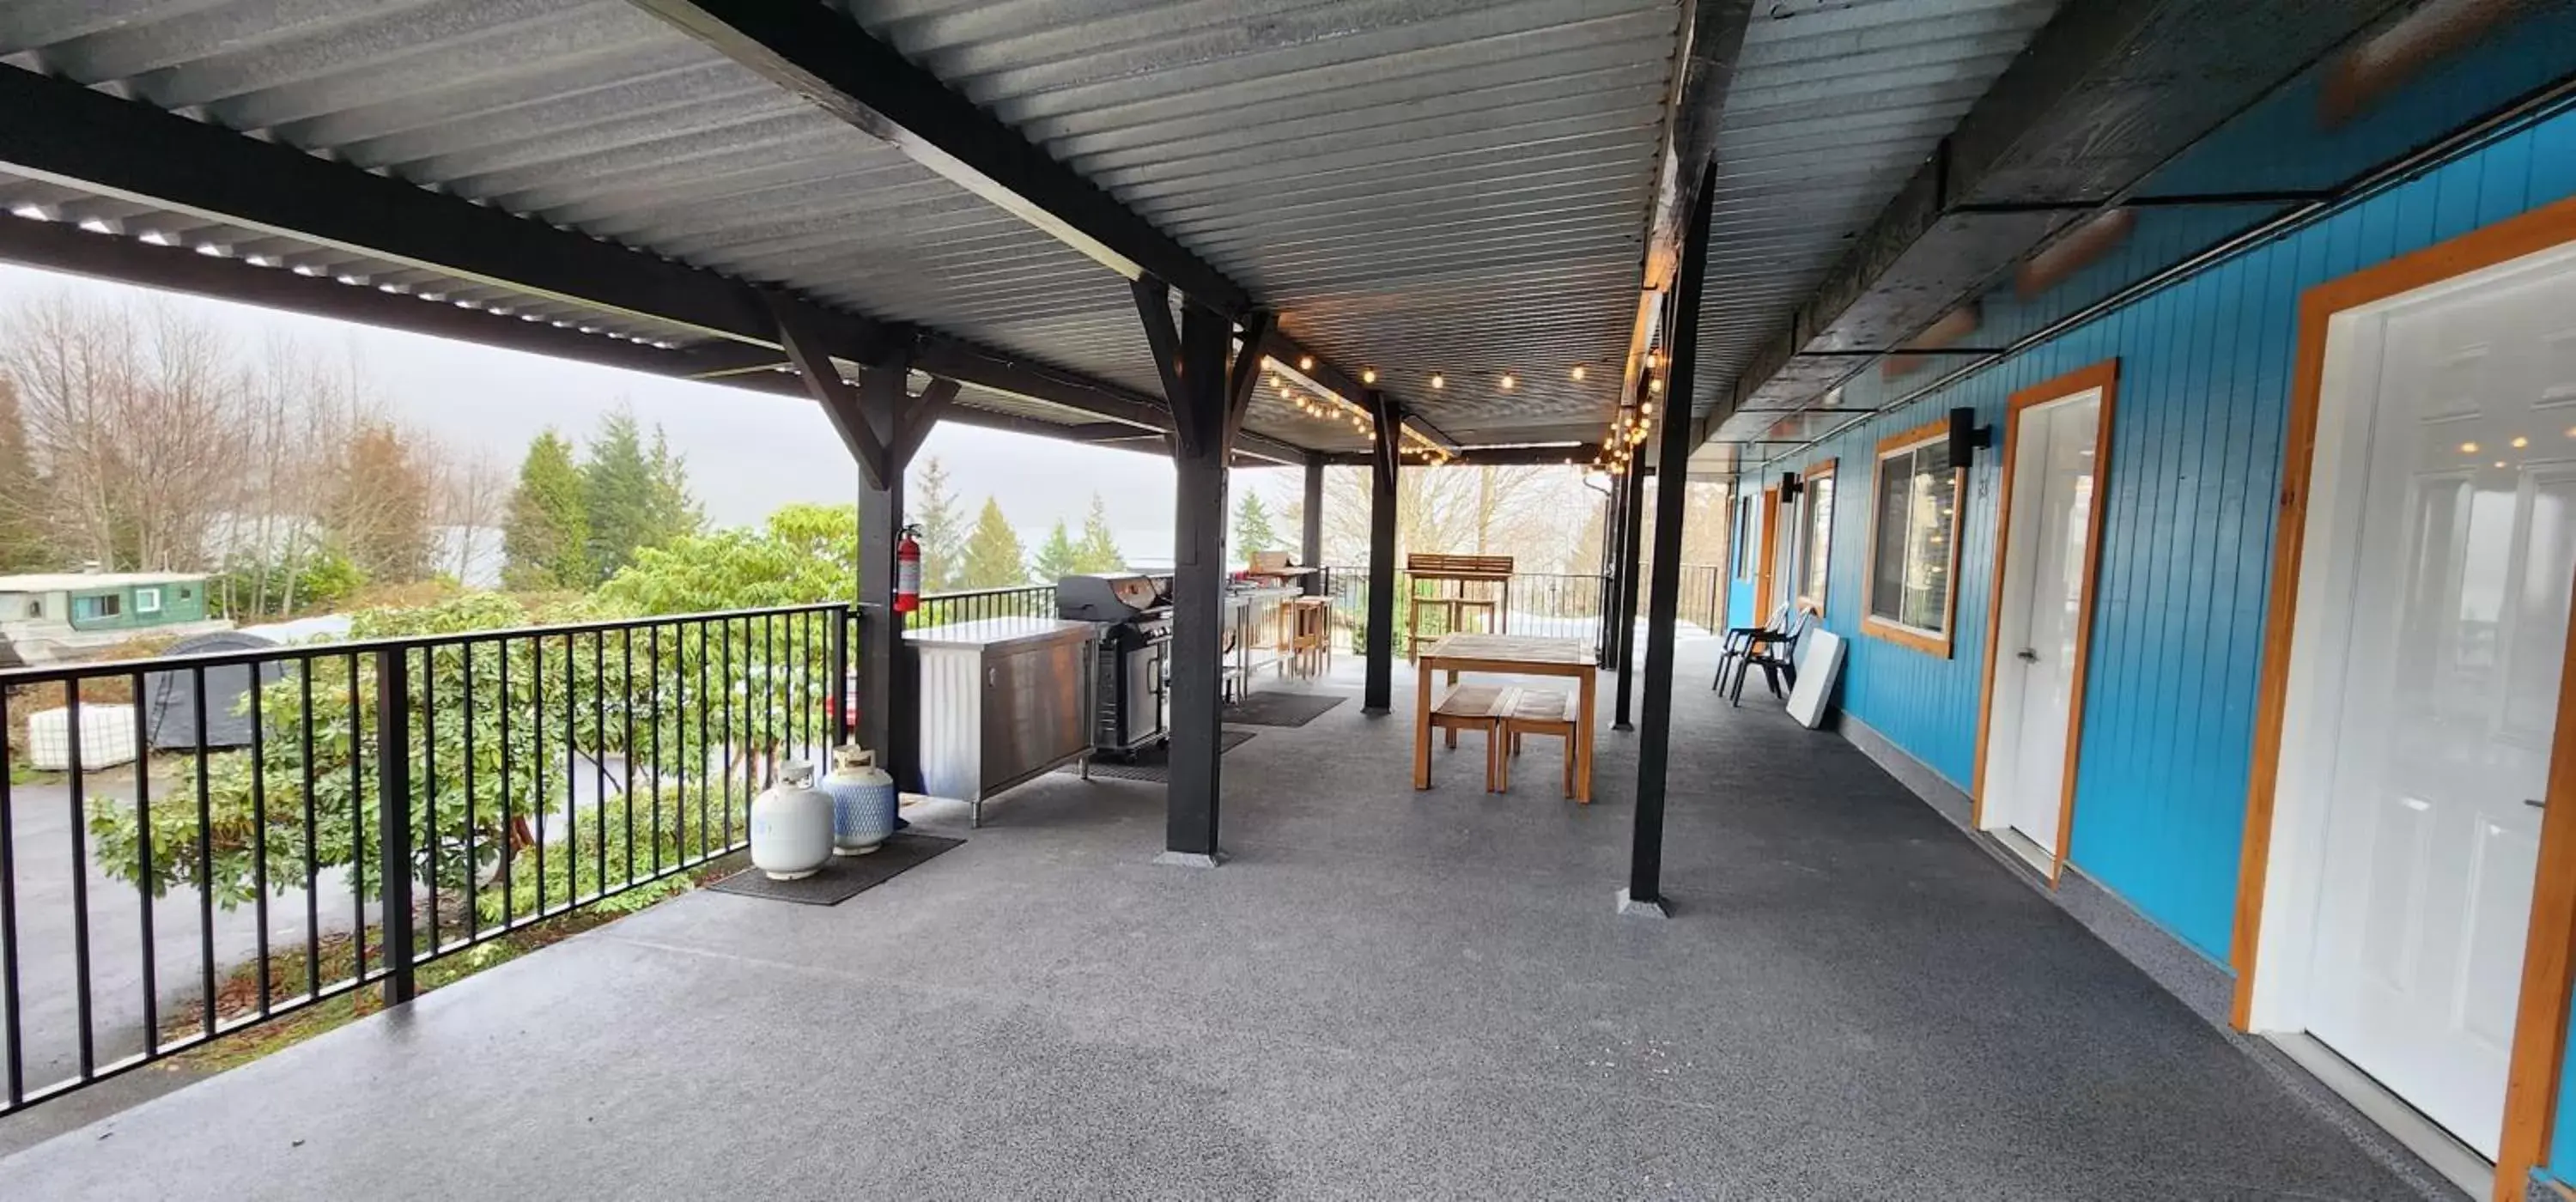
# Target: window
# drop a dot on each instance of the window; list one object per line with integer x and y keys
{"x": 1913, "y": 582}
{"x": 91, "y": 609}
{"x": 147, "y": 600}
{"x": 1816, "y": 532}
{"x": 1742, "y": 543}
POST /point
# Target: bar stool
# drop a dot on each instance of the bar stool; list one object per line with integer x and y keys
{"x": 1309, "y": 635}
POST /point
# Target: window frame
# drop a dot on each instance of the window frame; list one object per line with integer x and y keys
{"x": 1740, "y": 539}
{"x": 153, "y": 592}
{"x": 1822, "y": 469}
{"x": 1930, "y": 642}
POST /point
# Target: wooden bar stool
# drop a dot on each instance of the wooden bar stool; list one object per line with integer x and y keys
{"x": 1476, "y": 707}
{"x": 1310, "y": 635}
{"x": 1546, "y": 712}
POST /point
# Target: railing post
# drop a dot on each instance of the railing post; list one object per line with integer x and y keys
{"x": 838, "y": 664}
{"x": 393, "y": 818}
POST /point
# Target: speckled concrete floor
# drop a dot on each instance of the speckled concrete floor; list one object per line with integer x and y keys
{"x": 1384, "y": 994}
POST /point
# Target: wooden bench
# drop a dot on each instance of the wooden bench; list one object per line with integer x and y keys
{"x": 1541, "y": 712}
{"x": 1478, "y": 707}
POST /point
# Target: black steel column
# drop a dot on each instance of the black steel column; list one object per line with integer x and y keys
{"x": 1378, "y": 696}
{"x": 1623, "y": 639}
{"x": 889, "y": 699}
{"x": 1310, "y": 546}
{"x": 1644, "y": 894}
{"x": 1191, "y": 358}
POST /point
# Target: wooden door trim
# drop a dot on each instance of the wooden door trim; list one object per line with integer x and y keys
{"x": 1822, "y": 469}
{"x": 2540, "y": 1021}
{"x": 2104, "y": 376}
{"x": 1770, "y": 523}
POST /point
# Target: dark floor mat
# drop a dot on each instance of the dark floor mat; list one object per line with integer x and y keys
{"x": 1155, "y": 763}
{"x": 1280, "y": 708}
{"x": 846, "y": 876}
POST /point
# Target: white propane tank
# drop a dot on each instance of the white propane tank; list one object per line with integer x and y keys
{"x": 863, "y": 801}
{"x": 791, "y": 825}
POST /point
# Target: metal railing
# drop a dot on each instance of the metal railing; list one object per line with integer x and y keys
{"x": 1561, "y": 603}
{"x": 976, "y": 605}
{"x": 295, "y": 823}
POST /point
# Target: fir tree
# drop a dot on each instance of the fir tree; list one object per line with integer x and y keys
{"x": 545, "y": 541}
{"x": 994, "y": 557}
{"x": 943, "y": 532}
{"x": 1059, "y": 557}
{"x": 1252, "y": 530}
{"x": 1098, "y": 551}
{"x": 633, "y": 500}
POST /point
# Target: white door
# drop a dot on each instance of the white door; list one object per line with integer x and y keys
{"x": 2463, "y": 544}
{"x": 2043, "y": 595}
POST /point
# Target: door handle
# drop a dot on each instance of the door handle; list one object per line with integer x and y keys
{"x": 2027, "y": 655}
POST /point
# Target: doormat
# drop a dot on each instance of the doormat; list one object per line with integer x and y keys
{"x": 1280, "y": 709}
{"x": 1154, "y": 763}
{"x": 845, "y": 877}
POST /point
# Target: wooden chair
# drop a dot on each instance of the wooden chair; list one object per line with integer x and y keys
{"x": 1544, "y": 712}
{"x": 1476, "y": 707}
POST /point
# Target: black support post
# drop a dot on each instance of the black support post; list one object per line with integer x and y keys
{"x": 1623, "y": 636}
{"x": 1644, "y": 893}
{"x": 393, "y": 817}
{"x": 1310, "y": 540}
{"x": 882, "y": 424}
{"x": 1378, "y": 696}
{"x": 1191, "y": 358}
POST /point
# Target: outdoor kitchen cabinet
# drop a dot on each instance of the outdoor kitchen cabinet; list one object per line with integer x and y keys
{"x": 1002, "y": 701}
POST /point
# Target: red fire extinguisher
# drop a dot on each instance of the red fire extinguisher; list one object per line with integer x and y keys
{"x": 907, "y": 571}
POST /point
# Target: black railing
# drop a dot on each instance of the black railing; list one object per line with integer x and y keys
{"x": 975, "y": 605}
{"x": 1568, "y": 604}
{"x": 296, "y": 823}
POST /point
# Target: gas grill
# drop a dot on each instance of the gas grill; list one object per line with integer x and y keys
{"x": 1127, "y": 668}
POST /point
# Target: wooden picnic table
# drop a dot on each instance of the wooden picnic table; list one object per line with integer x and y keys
{"x": 1513, "y": 654}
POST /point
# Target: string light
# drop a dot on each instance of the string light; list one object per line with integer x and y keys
{"x": 1577, "y": 373}
{"x": 1508, "y": 381}
{"x": 1368, "y": 375}
{"x": 1438, "y": 380}
{"x": 1305, "y": 363}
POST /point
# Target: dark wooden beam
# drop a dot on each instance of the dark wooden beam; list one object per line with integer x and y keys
{"x": 821, "y": 55}
{"x": 842, "y": 403}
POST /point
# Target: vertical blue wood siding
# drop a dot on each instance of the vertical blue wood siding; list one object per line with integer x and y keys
{"x": 2187, "y": 537}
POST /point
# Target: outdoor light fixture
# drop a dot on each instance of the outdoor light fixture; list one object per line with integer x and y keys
{"x": 1789, "y": 487}
{"x": 1967, "y": 437}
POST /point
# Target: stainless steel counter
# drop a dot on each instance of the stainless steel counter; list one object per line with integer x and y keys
{"x": 1002, "y": 701}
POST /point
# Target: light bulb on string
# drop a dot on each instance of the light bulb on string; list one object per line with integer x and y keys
{"x": 1577, "y": 373}
{"x": 1368, "y": 375}
{"x": 1508, "y": 381}
{"x": 1438, "y": 380}
{"x": 1305, "y": 363}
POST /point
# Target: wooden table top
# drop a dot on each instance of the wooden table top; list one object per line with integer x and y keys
{"x": 1511, "y": 648}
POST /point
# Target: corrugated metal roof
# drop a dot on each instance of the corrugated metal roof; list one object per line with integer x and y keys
{"x": 1415, "y": 185}
{"x": 591, "y": 115}
{"x": 1835, "y": 103}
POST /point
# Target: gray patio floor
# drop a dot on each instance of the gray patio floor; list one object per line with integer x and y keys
{"x": 1384, "y": 994}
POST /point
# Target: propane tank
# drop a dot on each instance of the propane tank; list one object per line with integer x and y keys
{"x": 907, "y": 571}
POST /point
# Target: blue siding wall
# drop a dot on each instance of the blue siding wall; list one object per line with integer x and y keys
{"x": 2195, "y": 463}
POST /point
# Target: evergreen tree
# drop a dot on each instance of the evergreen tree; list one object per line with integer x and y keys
{"x": 1098, "y": 551}
{"x": 1059, "y": 557}
{"x": 675, "y": 510}
{"x": 1252, "y": 530}
{"x": 994, "y": 557}
{"x": 545, "y": 540}
{"x": 943, "y": 531}
{"x": 633, "y": 500}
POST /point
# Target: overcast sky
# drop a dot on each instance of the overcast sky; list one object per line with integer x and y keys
{"x": 748, "y": 453}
